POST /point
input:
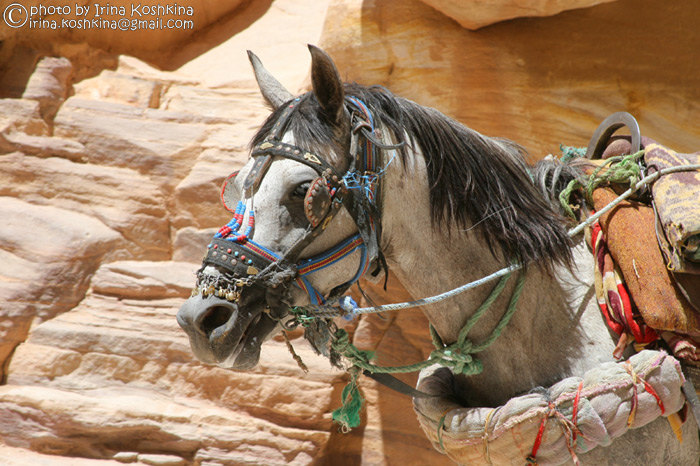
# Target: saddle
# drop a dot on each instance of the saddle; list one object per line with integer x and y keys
{"x": 649, "y": 288}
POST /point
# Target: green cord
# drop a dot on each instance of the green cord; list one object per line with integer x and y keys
{"x": 620, "y": 169}
{"x": 348, "y": 415}
{"x": 458, "y": 356}
{"x": 441, "y": 424}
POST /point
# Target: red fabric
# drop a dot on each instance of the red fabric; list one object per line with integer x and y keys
{"x": 614, "y": 300}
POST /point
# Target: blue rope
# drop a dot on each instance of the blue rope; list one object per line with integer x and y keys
{"x": 365, "y": 182}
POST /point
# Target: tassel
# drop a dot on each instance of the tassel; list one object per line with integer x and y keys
{"x": 348, "y": 415}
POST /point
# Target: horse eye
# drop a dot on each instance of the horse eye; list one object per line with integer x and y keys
{"x": 300, "y": 191}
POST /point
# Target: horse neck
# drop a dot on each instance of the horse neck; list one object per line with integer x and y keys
{"x": 556, "y": 331}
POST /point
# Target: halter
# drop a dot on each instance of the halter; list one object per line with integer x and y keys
{"x": 246, "y": 262}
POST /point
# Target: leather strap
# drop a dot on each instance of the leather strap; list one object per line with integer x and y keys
{"x": 288, "y": 151}
{"x": 256, "y": 174}
{"x": 395, "y": 384}
{"x": 242, "y": 260}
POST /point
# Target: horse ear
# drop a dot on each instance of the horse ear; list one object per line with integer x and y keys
{"x": 271, "y": 89}
{"x": 327, "y": 84}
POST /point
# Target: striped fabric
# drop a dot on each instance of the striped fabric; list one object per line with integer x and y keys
{"x": 260, "y": 250}
{"x": 324, "y": 260}
{"x": 613, "y": 298}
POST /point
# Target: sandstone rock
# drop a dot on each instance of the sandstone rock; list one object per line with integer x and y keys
{"x": 154, "y": 142}
{"x": 126, "y": 456}
{"x": 216, "y": 105}
{"x": 277, "y": 32}
{"x": 19, "y": 115}
{"x": 65, "y": 245}
{"x": 105, "y": 421}
{"x": 121, "y": 198}
{"x": 49, "y": 255}
{"x": 13, "y": 79}
{"x": 21, "y": 457}
{"x": 539, "y": 82}
{"x": 125, "y": 366}
{"x": 477, "y": 14}
{"x": 155, "y": 43}
{"x": 162, "y": 460}
{"x": 121, "y": 88}
{"x": 233, "y": 119}
{"x": 44, "y": 146}
{"x": 197, "y": 196}
{"x": 131, "y": 66}
{"x": 145, "y": 280}
{"x": 19, "y": 278}
{"x": 49, "y": 85}
{"x": 190, "y": 244}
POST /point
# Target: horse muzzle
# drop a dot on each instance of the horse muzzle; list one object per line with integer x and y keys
{"x": 223, "y": 333}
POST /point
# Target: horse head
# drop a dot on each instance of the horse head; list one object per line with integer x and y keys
{"x": 264, "y": 261}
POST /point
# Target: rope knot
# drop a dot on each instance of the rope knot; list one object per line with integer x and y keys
{"x": 458, "y": 358}
{"x": 342, "y": 345}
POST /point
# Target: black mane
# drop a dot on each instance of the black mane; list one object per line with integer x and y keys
{"x": 475, "y": 181}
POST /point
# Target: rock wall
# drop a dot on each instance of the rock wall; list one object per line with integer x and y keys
{"x": 74, "y": 30}
{"x": 538, "y": 81}
{"x": 111, "y": 169}
{"x": 475, "y": 14}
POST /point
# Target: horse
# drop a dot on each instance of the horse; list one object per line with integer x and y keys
{"x": 447, "y": 205}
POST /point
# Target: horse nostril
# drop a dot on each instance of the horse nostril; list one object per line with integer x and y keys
{"x": 213, "y": 318}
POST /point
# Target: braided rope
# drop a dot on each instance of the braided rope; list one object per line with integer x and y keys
{"x": 618, "y": 169}
{"x": 329, "y": 311}
{"x": 457, "y": 356}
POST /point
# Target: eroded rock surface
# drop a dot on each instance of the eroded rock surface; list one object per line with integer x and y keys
{"x": 540, "y": 82}
{"x": 48, "y": 257}
{"x": 475, "y": 14}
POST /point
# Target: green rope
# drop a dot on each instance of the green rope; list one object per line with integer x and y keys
{"x": 441, "y": 424}
{"x": 348, "y": 415}
{"x": 301, "y": 316}
{"x": 620, "y": 169}
{"x": 458, "y": 356}
{"x": 568, "y": 153}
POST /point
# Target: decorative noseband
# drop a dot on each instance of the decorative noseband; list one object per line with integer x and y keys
{"x": 246, "y": 262}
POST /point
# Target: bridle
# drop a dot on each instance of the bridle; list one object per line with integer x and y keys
{"x": 244, "y": 262}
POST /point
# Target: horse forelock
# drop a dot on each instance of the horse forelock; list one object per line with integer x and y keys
{"x": 475, "y": 181}
{"x": 311, "y": 131}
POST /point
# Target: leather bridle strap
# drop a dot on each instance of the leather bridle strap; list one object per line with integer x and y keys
{"x": 271, "y": 148}
{"x": 261, "y": 164}
{"x": 363, "y": 213}
{"x": 354, "y": 199}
